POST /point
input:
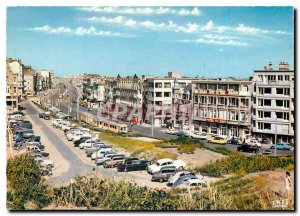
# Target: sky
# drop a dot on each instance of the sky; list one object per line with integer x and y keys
{"x": 197, "y": 41}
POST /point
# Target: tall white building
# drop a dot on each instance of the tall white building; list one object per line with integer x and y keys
{"x": 159, "y": 92}
{"x": 273, "y": 103}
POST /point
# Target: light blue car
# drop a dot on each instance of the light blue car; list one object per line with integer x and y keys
{"x": 282, "y": 146}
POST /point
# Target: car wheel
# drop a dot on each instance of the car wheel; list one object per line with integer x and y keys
{"x": 161, "y": 180}
{"x": 272, "y": 147}
{"x": 181, "y": 168}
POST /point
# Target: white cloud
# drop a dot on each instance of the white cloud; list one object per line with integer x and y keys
{"x": 147, "y": 24}
{"x": 50, "y": 30}
{"x": 80, "y": 31}
{"x": 143, "y": 10}
{"x": 248, "y": 29}
{"x": 215, "y": 42}
{"x": 209, "y": 26}
{"x": 218, "y": 37}
{"x": 194, "y": 12}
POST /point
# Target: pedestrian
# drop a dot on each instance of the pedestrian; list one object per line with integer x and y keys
{"x": 287, "y": 183}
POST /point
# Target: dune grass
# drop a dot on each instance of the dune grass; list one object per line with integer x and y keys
{"x": 137, "y": 147}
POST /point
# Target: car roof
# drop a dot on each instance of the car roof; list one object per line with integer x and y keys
{"x": 195, "y": 181}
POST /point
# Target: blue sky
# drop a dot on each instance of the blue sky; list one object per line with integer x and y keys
{"x": 203, "y": 41}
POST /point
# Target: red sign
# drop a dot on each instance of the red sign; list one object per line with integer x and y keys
{"x": 215, "y": 120}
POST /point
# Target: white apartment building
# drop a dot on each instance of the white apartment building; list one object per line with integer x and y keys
{"x": 17, "y": 69}
{"x": 222, "y": 106}
{"x": 273, "y": 103}
{"x": 159, "y": 92}
{"x": 29, "y": 81}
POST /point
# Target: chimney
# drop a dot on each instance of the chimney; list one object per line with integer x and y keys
{"x": 284, "y": 66}
{"x": 270, "y": 66}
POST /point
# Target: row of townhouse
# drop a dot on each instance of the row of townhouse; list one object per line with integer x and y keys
{"x": 260, "y": 106}
{"x": 23, "y": 81}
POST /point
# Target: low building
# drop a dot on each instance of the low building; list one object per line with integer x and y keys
{"x": 273, "y": 103}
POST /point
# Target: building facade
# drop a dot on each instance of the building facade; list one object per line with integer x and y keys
{"x": 29, "y": 81}
{"x": 12, "y": 93}
{"x": 222, "y": 106}
{"x": 159, "y": 92}
{"x": 273, "y": 104}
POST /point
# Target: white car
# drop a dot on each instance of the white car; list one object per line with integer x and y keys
{"x": 172, "y": 132}
{"x": 198, "y": 135}
{"x": 71, "y": 136}
{"x": 193, "y": 183}
{"x": 55, "y": 122}
{"x": 100, "y": 153}
{"x": 181, "y": 174}
{"x": 253, "y": 142}
{"x": 65, "y": 125}
{"x": 75, "y": 138}
{"x": 179, "y": 164}
{"x": 87, "y": 143}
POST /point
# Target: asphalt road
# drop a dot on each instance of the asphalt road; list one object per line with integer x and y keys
{"x": 77, "y": 165}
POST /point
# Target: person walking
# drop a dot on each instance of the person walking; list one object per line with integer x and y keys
{"x": 287, "y": 183}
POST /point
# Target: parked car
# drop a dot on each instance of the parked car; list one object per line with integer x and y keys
{"x": 114, "y": 161}
{"x": 198, "y": 135}
{"x": 181, "y": 181}
{"x": 77, "y": 137}
{"x": 181, "y": 174}
{"x": 235, "y": 141}
{"x": 218, "y": 140}
{"x": 164, "y": 173}
{"x": 47, "y": 116}
{"x": 248, "y": 148}
{"x": 179, "y": 164}
{"x": 87, "y": 143}
{"x": 107, "y": 156}
{"x": 193, "y": 184}
{"x": 281, "y": 146}
{"x": 133, "y": 164}
{"x": 253, "y": 142}
{"x": 56, "y": 122}
{"x": 100, "y": 152}
{"x": 172, "y": 132}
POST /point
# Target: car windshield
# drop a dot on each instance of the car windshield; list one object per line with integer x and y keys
{"x": 157, "y": 164}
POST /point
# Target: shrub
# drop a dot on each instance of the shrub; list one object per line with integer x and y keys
{"x": 240, "y": 163}
{"x": 25, "y": 183}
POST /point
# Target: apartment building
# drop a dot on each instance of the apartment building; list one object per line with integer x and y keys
{"x": 159, "y": 91}
{"x": 12, "y": 93}
{"x": 273, "y": 103}
{"x": 16, "y": 68}
{"x": 29, "y": 81}
{"x": 222, "y": 106}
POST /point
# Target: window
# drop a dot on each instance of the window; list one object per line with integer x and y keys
{"x": 182, "y": 85}
{"x": 260, "y": 114}
{"x": 260, "y": 78}
{"x": 158, "y": 94}
{"x": 267, "y": 102}
{"x": 222, "y": 101}
{"x": 280, "y": 77}
{"x": 150, "y": 84}
{"x": 268, "y": 90}
{"x": 222, "y": 87}
{"x": 203, "y": 86}
{"x": 279, "y": 91}
{"x": 286, "y": 91}
{"x": 267, "y": 114}
{"x": 212, "y": 86}
{"x": 167, "y": 94}
{"x": 271, "y": 78}
{"x": 287, "y": 78}
{"x": 282, "y": 115}
{"x": 260, "y": 102}
{"x": 167, "y": 85}
{"x": 283, "y": 103}
{"x": 244, "y": 102}
{"x": 260, "y": 91}
{"x": 267, "y": 126}
{"x": 158, "y": 85}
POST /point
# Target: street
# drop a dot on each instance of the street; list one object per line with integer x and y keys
{"x": 79, "y": 164}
